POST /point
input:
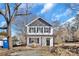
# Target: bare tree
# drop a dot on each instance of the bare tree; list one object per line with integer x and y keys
{"x": 20, "y": 27}
{"x": 75, "y": 26}
{"x": 9, "y": 17}
{"x": 55, "y": 25}
{"x": 67, "y": 26}
{"x": 76, "y": 20}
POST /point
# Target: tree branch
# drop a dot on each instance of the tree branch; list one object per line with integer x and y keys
{"x": 14, "y": 12}
{"x": 1, "y": 13}
{"x": 3, "y": 27}
{"x": 23, "y": 14}
{"x": 8, "y": 7}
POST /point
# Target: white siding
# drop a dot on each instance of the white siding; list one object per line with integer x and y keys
{"x": 51, "y": 41}
{"x": 1, "y": 43}
{"x": 27, "y": 41}
{"x": 51, "y": 31}
{"x": 43, "y": 41}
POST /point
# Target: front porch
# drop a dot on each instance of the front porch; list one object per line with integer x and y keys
{"x": 40, "y": 40}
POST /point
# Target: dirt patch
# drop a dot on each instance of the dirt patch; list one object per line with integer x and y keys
{"x": 43, "y": 51}
{"x": 6, "y": 52}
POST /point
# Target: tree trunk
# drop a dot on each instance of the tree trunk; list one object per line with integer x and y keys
{"x": 9, "y": 35}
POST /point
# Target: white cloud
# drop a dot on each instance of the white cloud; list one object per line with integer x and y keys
{"x": 54, "y": 18}
{"x": 68, "y": 21}
{"x": 29, "y": 5}
{"x": 66, "y": 13}
{"x": 23, "y": 5}
{"x": 47, "y": 7}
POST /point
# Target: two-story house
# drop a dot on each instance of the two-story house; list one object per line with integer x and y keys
{"x": 40, "y": 32}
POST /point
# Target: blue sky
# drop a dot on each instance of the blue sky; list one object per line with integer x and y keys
{"x": 49, "y": 12}
{"x": 52, "y": 12}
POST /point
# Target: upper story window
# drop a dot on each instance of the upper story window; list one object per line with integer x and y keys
{"x": 47, "y": 29}
{"x": 39, "y": 29}
{"x": 35, "y": 29}
{"x": 32, "y": 29}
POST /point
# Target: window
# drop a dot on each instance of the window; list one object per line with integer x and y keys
{"x": 35, "y": 40}
{"x": 32, "y": 29}
{"x": 47, "y": 41}
{"x": 39, "y": 29}
{"x": 30, "y": 40}
{"x": 47, "y": 30}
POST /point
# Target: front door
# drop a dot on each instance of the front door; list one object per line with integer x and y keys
{"x": 48, "y": 42}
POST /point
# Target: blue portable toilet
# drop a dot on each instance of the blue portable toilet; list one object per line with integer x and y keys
{"x": 5, "y": 43}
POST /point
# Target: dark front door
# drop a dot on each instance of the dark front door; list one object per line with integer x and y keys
{"x": 48, "y": 42}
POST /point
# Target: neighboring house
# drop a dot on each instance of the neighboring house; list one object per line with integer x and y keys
{"x": 1, "y": 40}
{"x": 18, "y": 40}
{"x": 40, "y": 32}
{"x": 21, "y": 39}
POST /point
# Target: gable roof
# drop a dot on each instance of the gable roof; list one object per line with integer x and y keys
{"x": 41, "y": 23}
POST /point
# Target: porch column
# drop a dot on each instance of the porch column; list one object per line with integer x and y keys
{"x": 27, "y": 41}
{"x": 41, "y": 41}
{"x": 43, "y": 29}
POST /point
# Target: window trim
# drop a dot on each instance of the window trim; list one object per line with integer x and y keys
{"x": 47, "y": 30}
{"x": 39, "y": 29}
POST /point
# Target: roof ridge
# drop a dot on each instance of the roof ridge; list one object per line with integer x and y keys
{"x": 37, "y": 18}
